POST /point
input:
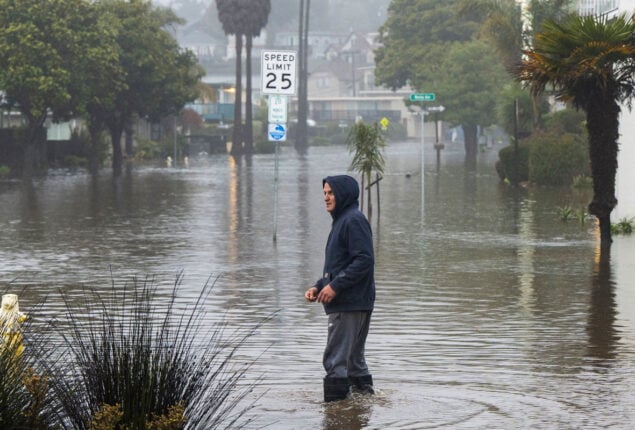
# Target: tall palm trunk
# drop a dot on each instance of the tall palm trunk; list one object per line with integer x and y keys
{"x": 603, "y": 128}
{"x": 237, "y": 142}
{"x": 248, "y": 131}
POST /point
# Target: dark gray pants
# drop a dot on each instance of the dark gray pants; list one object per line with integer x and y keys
{"x": 346, "y": 343}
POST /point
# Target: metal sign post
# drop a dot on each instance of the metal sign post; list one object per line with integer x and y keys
{"x": 275, "y": 195}
{"x": 277, "y": 133}
{"x": 422, "y": 97}
{"x": 278, "y": 73}
{"x": 422, "y": 114}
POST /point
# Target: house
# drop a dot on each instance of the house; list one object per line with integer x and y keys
{"x": 206, "y": 47}
{"x": 341, "y": 86}
{"x": 318, "y": 41}
{"x": 626, "y": 156}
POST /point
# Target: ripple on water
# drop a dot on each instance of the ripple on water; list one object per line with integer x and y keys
{"x": 404, "y": 405}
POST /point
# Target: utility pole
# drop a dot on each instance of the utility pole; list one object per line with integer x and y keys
{"x": 301, "y": 136}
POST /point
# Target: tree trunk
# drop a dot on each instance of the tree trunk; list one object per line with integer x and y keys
{"x": 129, "y": 139}
{"x": 249, "y": 131}
{"x": 536, "y": 114}
{"x": 34, "y": 144}
{"x": 378, "y": 178}
{"x": 603, "y": 127}
{"x": 237, "y": 143}
{"x": 368, "y": 192}
{"x": 604, "y": 222}
{"x": 117, "y": 155}
{"x": 361, "y": 194}
{"x": 93, "y": 157}
{"x": 471, "y": 142}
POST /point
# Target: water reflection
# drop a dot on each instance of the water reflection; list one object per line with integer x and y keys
{"x": 526, "y": 254}
{"x": 350, "y": 414}
{"x": 233, "y": 209}
{"x": 602, "y": 331}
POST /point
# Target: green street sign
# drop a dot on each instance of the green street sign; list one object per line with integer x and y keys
{"x": 422, "y": 97}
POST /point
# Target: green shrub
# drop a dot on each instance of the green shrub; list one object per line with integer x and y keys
{"x": 566, "y": 121}
{"x": 148, "y": 149}
{"x": 582, "y": 183}
{"x": 80, "y": 138}
{"x": 555, "y": 159}
{"x": 397, "y": 132}
{"x": 5, "y": 171}
{"x": 74, "y": 161}
{"x": 624, "y": 226}
{"x": 508, "y": 169}
{"x": 264, "y": 147}
{"x": 566, "y": 212}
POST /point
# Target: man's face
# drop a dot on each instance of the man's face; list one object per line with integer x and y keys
{"x": 329, "y": 198}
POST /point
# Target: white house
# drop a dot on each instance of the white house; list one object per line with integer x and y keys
{"x": 626, "y": 156}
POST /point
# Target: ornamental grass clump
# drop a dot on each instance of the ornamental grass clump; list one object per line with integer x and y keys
{"x": 139, "y": 358}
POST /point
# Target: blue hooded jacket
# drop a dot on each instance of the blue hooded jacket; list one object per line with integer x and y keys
{"x": 349, "y": 261}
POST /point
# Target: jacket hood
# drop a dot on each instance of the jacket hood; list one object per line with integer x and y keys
{"x": 346, "y": 192}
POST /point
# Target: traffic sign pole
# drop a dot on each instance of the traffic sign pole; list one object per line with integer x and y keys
{"x": 422, "y": 97}
{"x": 275, "y": 195}
{"x": 278, "y": 73}
{"x": 423, "y": 148}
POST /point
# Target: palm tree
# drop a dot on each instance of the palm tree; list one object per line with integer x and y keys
{"x": 256, "y": 21}
{"x": 588, "y": 62}
{"x": 232, "y": 15}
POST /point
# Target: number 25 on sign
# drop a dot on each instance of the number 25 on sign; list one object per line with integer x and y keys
{"x": 278, "y": 72}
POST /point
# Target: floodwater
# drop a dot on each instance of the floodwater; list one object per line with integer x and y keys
{"x": 491, "y": 312}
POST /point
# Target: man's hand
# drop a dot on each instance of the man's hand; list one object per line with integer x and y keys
{"x": 326, "y": 295}
{"x": 311, "y": 294}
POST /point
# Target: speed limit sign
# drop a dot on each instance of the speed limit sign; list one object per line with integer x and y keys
{"x": 279, "y": 72}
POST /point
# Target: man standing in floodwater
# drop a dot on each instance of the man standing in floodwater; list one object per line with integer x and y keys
{"x": 346, "y": 289}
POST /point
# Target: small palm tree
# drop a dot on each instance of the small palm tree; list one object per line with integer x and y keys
{"x": 588, "y": 62}
{"x": 366, "y": 141}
